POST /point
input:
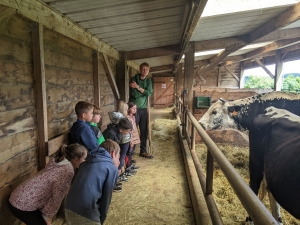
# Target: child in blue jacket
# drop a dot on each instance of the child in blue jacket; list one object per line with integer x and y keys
{"x": 91, "y": 191}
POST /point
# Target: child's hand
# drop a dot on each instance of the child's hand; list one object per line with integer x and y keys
{"x": 47, "y": 220}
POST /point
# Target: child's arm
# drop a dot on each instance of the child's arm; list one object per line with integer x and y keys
{"x": 89, "y": 139}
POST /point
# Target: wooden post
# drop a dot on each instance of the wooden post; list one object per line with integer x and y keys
{"x": 40, "y": 92}
{"x": 189, "y": 75}
{"x": 96, "y": 78}
{"x": 278, "y": 71}
{"x": 122, "y": 78}
{"x": 242, "y": 70}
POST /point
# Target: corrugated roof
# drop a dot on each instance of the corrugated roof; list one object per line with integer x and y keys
{"x": 129, "y": 25}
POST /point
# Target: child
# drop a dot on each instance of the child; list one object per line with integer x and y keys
{"x": 91, "y": 191}
{"x": 94, "y": 125}
{"x": 37, "y": 199}
{"x": 115, "y": 132}
{"x": 135, "y": 139}
{"x": 81, "y": 131}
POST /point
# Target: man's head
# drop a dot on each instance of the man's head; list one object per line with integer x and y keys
{"x": 125, "y": 126}
{"x": 84, "y": 111}
{"x": 144, "y": 69}
{"x": 114, "y": 150}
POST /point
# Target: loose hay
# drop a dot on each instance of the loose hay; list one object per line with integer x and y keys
{"x": 158, "y": 193}
{"x": 230, "y": 207}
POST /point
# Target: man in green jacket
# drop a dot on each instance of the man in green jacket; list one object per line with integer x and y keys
{"x": 140, "y": 90}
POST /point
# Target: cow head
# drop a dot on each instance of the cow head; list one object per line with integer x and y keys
{"x": 221, "y": 115}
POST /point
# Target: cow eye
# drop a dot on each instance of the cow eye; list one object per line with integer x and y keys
{"x": 214, "y": 112}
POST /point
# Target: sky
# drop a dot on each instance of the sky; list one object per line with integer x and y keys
{"x": 288, "y": 67}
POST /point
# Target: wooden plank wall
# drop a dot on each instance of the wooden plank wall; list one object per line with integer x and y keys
{"x": 18, "y": 136}
{"x": 69, "y": 79}
{"x": 226, "y": 79}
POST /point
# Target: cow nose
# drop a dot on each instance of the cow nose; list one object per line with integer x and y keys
{"x": 202, "y": 126}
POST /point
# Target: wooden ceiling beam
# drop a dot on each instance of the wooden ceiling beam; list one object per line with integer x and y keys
{"x": 153, "y": 52}
{"x": 161, "y": 68}
{"x": 285, "y": 18}
{"x": 220, "y": 43}
{"x": 264, "y": 67}
{"x": 197, "y": 7}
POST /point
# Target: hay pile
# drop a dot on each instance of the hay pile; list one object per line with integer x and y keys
{"x": 230, "y": 207}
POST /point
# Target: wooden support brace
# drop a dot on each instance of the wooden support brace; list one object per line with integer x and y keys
{"x": 232, "y": 73}
{"x": 110, "y": 76}
{"x": 265, "y": 68}
{"x": 96, "y": 78}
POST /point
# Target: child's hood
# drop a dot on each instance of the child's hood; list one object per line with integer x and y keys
{"x": 98, "y": 155}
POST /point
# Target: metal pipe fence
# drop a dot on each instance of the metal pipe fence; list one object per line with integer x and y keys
{"x": 250, "y": 201}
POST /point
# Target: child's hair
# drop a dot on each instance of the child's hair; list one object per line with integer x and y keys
{"x": 69, "y": 152}
{"x": 110, "y": 146}
{"x": 144, "y": 64}
{"x": 125, "y": 124}
{"x": 96, "y": 110}
{"x": 131, "y": 104}
{"x": 83, "y": 107}
{"x": 123, "y": 108}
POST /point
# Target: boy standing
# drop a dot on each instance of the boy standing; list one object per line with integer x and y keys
{"x": 81, "y": 131}
{"x": 140, "y": 90}
{"x": 91, "y": 191}
{"x": 94, "y": 125}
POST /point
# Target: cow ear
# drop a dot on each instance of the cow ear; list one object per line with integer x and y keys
{"x": 234, "y": 109}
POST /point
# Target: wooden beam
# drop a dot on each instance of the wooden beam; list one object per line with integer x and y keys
{"x": 290, "y": 15}
{"x": 153, "y": 52}
{"x": 232, "y": 73}
{"x": 40, "y": 12}
{"x": 122, "y": 79}
{"x": 161, "y": 68}
{"x": 271, "y": 47}
{"x": 96, "y": 78}
{"x": 242, "y": 70}
{"x": 217, "y": 59}
{"x": 110, "y": 76}
{"x": 264, "y": 68}
{"x": 40, "y": 93}
{"x": 197, "y": 7}
{"x": 189, "y": 75}
{"x": 179, "y": 80}
{"x": 218, "y": 43}
{"x": 6, "y": 14}
{"x": 278, "y": 71}
{"x": 285, "y": 18}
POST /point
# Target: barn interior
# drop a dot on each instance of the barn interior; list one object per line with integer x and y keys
{"x": 55, "y": 53}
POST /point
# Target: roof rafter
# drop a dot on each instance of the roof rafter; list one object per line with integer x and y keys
{"x": 285, "y": 18}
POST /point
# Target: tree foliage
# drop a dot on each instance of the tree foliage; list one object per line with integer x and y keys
{"x": 290, "y": 83}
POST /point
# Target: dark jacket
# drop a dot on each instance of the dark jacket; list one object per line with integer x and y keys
{"x": 91, "y": 190}
{"x": 141, "y": 99}
{"x": 82, "y": 134}
{"x": 112, "y": 132}
{"x": 97, "y": 133}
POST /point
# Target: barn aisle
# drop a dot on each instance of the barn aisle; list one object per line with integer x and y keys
{"x": 158, "y": 193}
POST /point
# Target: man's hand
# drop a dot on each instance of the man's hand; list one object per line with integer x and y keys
{"x": 133, "y": 84}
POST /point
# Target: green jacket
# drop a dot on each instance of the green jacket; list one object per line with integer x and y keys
{"x": 97, "y": 132}
{"x": 141, "y": 99}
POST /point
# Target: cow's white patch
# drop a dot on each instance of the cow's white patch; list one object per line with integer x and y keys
{"x": 281, "y": 113}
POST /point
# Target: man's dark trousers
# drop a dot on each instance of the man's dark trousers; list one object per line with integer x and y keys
{"x": 141, "y": 118}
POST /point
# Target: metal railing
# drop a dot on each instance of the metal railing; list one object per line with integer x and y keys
{"x": 250, "y": 201}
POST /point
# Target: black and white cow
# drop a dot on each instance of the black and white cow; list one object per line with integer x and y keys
{"x": 238, "y": 114}
{"x": 275, "y": 154}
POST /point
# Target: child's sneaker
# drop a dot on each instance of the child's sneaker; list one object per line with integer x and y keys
{"x": 133, "y": 161}
{"x": 117, "y": 189}
{"x": 134, "y": 167}
{"x": 119, "y": 184}
{"x": 130, "y": 173}
{"x": 123, "y": 178}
